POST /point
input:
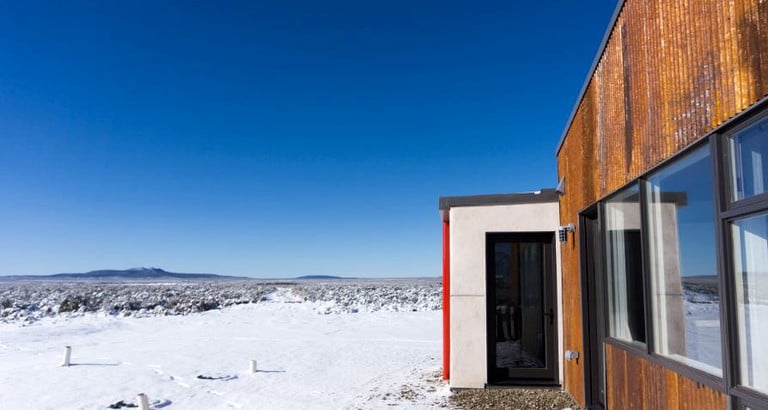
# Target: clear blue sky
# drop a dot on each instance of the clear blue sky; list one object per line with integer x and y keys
{"x": 273, "y": 139}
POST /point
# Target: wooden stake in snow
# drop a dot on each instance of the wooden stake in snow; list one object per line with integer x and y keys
{"x": 253, "y": 366}
{"x": 143, "y": 401}
{"x": 67, "y": 355}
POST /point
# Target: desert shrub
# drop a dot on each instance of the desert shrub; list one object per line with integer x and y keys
{"x": 71, "y": 304}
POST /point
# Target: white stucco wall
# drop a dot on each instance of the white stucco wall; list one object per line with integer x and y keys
{"x": 468, "y": 227}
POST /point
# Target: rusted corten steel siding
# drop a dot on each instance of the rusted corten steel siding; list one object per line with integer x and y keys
{"x": 640, "y": 384}
{"x": 670, "y": 72}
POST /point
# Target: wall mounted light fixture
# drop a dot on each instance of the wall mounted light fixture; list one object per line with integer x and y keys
{"x": 562, "y": 233}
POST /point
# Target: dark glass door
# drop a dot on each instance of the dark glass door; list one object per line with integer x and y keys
{"x": 522, "y": 338}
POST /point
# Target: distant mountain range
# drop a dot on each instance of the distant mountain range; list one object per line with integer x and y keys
{"x": 121, "y": 275}
{"x": 321, "y": 277}
{"x": 144, "y": 274}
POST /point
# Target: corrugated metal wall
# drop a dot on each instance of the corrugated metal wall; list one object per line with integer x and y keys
{"x": 640, "y": 384}
{"x": 671, "y": 71}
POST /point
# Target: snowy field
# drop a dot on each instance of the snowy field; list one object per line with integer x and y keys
{"x": 29, "y": 301}
{"x": 322, "y": 345}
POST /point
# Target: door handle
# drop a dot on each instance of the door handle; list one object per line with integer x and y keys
{"x": 551, "y": 315}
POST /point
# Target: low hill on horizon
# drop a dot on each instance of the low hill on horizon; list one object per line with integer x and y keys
{"x": 124, "y": 274}
{"x": 322, "y": 277}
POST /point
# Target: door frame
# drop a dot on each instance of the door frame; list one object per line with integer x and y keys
{"x": 543, "y": 377}
{"x": 591, "y": 266}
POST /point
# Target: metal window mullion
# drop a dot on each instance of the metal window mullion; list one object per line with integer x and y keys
{"x": 721, "y": 197}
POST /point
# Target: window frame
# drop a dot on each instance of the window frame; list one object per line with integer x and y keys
{"x": 647, "y": 349}
{"x": 634, "y": 345}
{"x": 646, "y": 184}
{"x": 729, "y": 203}
{"x": 729, "y": 211}
{"x": 742, "y": 392}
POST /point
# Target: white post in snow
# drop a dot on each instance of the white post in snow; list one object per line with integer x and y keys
{"x": 143, "y": 401}
{"x": 253, "y": 366}
{"x": 67, "y": 355}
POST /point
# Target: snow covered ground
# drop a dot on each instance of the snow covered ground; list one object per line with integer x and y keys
{"x": 702, "y": 328}
{"x": 29, "y": 301}
{"x": 310, "y": 354}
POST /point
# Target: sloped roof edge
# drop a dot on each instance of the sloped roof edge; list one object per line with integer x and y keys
{"x": 591, "y": 72}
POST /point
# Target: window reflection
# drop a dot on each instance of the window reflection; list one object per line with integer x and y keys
{"x": 519, "y": 304}
{"x": 749, "y": 160}
{"x": 750, "y": 257}
{"x": 685, "y": 290}
{"x": 626, "y": 307}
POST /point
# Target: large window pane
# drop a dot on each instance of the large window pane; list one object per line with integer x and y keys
{"x": 626, "y": 306}
{"x": 684, "y": 282}
{"x": 749, "y": 160}
{"x": 750, "y": 257}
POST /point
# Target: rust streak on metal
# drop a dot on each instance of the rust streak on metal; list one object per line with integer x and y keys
{"x": 670, "y": 72}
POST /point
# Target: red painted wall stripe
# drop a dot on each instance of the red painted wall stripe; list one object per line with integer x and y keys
{"x": 446, "y": 301}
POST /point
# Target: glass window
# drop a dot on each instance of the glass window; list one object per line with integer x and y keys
{"x": 684, "y": 282}
{"x": 750, "y": 258}
{"x": 626, "y": 305}
{"x": 748, "y": 151}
